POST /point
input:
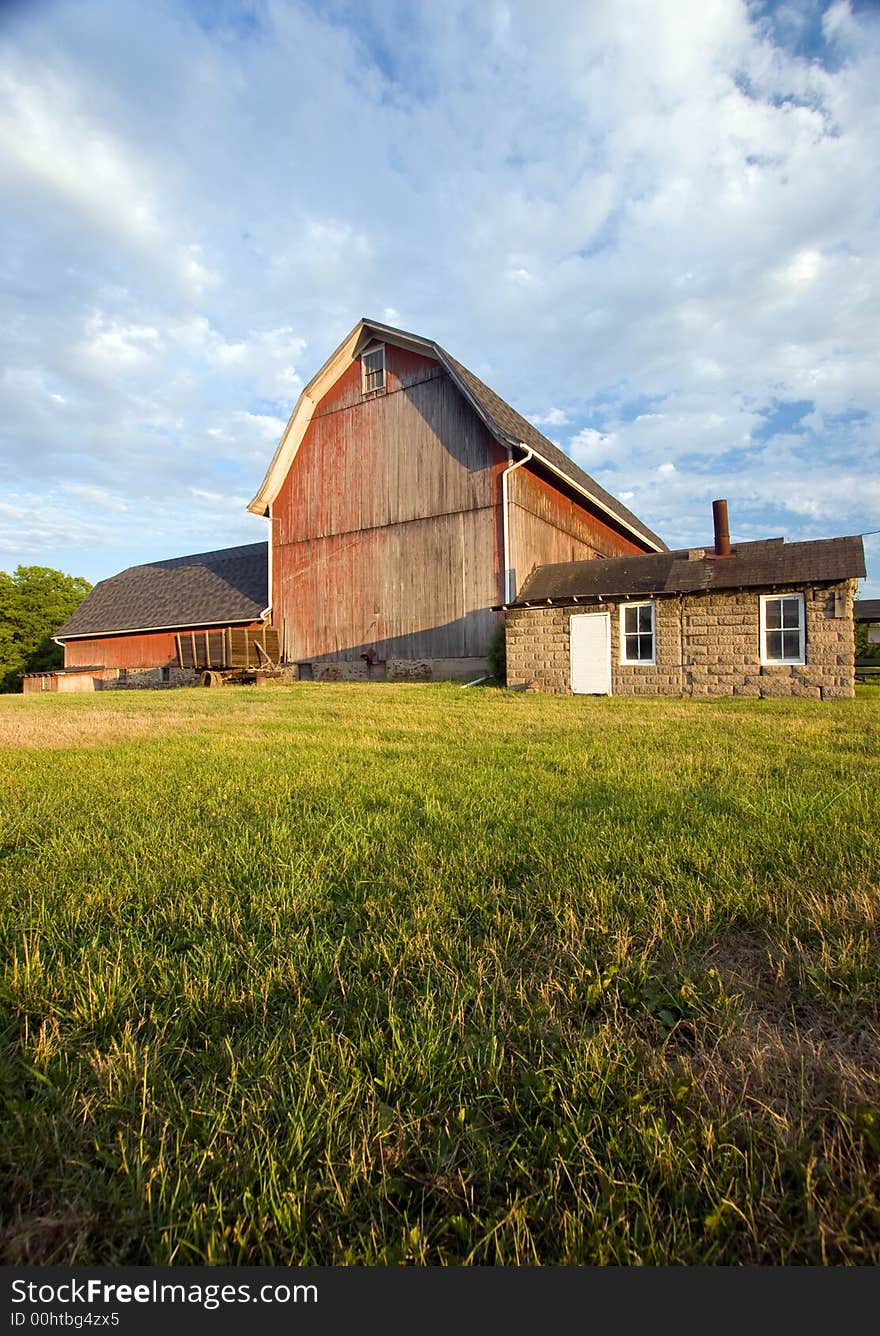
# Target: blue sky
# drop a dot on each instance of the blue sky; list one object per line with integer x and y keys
{"x": 651, "y": 226}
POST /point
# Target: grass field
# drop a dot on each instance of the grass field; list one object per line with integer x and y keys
{"x": 390, "y": 974}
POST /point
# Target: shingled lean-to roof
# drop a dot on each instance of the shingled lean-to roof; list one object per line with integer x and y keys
{"x": 207, "y": 589}
{"x": 508, "y": 427}
{"x": 771, "y": 562}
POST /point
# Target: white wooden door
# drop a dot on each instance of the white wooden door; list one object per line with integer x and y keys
{"x": 591, "y": 654}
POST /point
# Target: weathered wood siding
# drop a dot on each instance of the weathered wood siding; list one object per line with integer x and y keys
{"x": 402, "y": 369}
{"x": 415, "y": 451}
{"x": 386, "y": 531}
{"x": 77, "y": 683}
{"x": 417, "y": 590}
{"x": 549, "y": 526}
{"x": 153, "y": 649}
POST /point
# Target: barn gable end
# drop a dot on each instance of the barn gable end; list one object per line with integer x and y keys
{"x": 393, "y": 528}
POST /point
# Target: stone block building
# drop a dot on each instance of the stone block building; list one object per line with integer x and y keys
{"x": 760, "y": 619}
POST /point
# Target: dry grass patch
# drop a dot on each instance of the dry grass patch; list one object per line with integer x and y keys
{"x": 39, "y": 731}
{"x": 107, "y": 719}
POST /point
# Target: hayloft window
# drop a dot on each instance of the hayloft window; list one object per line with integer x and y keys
{"x": 782, "y": 628}
{"x": 637, "y": 633}
{"x": 373, "y": 370}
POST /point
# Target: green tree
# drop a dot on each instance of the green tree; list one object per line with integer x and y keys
{"x": 34, "y": 602}
{"x": 864, "y": 649}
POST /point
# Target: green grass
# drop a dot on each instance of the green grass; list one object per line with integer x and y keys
{"x": 390, "y": 974}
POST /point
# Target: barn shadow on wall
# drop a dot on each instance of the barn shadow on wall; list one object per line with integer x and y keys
{"x": 445, "y": 428}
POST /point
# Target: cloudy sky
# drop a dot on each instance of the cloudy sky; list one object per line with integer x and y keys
{"x": 651, "y": 225}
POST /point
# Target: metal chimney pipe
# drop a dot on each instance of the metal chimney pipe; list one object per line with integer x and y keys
{"x": 722, "y": 532}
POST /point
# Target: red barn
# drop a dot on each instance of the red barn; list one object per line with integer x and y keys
{"x": 163, "y": 622}
{"x": 404, "y": 501}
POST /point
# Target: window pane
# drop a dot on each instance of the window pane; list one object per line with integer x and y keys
{"x": 773, "y": 613}
{"x": 631, "y": 619}
{"x": 791, "y": 608}
{"x": 646, "y": 620}
{"x": 791, "y": 644}
{"x": 632, "y": 647}
{"x": 774, "y": 644}
{"x": 646, "y": 647}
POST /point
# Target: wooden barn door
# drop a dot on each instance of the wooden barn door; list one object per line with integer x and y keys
{"x": 590, "y": 635}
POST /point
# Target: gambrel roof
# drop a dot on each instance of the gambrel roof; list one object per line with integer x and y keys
{"x": 770, "y": 563}
{"x": 508, "y": 427}
{"x": 208, "y": 589}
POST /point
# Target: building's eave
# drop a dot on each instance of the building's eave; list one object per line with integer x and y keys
{"x": 215, "y": 624}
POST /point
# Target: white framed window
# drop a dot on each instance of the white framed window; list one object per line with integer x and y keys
{"x": 373, "y": 370}
{"x": 782, "y": 628}
{"x": 638, "y": 633}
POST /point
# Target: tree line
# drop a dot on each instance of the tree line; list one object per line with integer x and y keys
{"x": 35, "y": 601}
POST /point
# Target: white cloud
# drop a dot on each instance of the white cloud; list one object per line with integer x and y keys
{"x": 591, "y": 447}
{"x": 45, "y": 137}
{"x": 801, "y": 270}
{"x": 554, "y": 417}
{"x": 60, "y": 155}
{"x": 97, "y": 496}
{"x": 130, "y": 345}
{"x": 664, "y": 221}
{"x": 267, "y": 428}
{"x": 221, "y": 501}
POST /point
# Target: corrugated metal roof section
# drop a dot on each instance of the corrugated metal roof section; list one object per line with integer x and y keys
{"x": 751, "y": 565}
{"x": 208, "y": 588}
{"x": 867, "y": 609}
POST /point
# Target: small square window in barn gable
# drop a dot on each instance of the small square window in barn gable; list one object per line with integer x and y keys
{"x": 373, "y": 370}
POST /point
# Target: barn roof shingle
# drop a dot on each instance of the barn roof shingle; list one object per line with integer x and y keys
{"x": 867, "y": 609}
{"x": 767, "y": 563}
{"x": 207, "y": 589}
